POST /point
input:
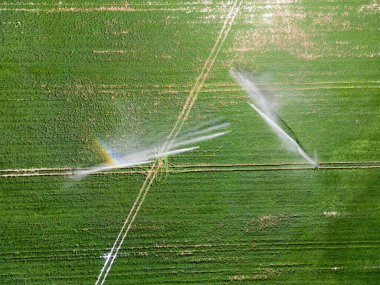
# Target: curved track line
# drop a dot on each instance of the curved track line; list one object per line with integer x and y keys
{"x": 176, "y": 129}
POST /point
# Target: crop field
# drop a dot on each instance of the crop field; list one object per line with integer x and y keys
{"x": 241, "y": 209}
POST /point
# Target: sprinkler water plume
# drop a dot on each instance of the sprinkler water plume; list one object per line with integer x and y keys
{"x": 267, "y": 112}
{"x": 149, "y": 153}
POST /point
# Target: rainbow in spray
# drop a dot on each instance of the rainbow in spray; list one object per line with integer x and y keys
{"x": 145, "y": 155}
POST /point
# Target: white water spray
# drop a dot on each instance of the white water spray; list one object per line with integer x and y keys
{"x": 254, "y": 93}
{"x": 158, "y": 150}
{"x": 284, "y": 136}
{"x": 266, "y": 111}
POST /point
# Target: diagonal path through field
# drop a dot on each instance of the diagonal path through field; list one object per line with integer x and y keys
{"x": 152, "y": 173}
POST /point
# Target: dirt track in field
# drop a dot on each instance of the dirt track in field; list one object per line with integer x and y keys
{"x": 157, "y": 165}
{"x": 187, "y": 168}
{"x": 45, "y": 7}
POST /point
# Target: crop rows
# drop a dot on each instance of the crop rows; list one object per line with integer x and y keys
{"x": 241, "y": 209}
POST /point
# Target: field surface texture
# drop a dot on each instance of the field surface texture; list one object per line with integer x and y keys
{"x": 241, "y": 209}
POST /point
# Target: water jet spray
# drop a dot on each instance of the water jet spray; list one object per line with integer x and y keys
{"x": 267, "y": 112}
{"x": 161, "y": 149}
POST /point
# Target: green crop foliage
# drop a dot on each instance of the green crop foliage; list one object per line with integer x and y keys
{"x": 73, "y": 73}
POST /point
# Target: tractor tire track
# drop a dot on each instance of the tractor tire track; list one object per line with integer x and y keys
{"x": 111, "y": 257}
{"x": 187, "y": 168}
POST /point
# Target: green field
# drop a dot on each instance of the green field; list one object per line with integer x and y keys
{"x": 242, "y": 209}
